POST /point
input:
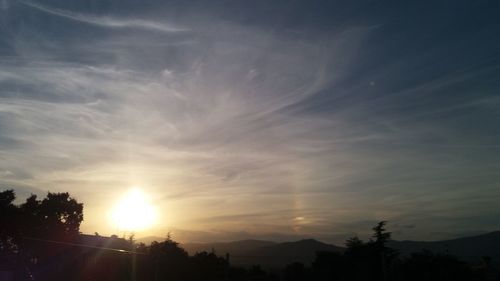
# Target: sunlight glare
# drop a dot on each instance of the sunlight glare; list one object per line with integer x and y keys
{"x": 133, "y": 212}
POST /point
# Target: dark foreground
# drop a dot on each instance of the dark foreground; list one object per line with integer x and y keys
{"x": 40, "y": 240}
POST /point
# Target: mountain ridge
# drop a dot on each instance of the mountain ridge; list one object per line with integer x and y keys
{"x": 270, "y": 253}
{"x": 468, "y": 248}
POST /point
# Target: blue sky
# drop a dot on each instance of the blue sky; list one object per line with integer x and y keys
{"x": 270, "y": 119}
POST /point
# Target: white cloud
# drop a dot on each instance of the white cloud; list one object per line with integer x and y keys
{"x": 219, "y": 119}
{"x": 110, "y": 22}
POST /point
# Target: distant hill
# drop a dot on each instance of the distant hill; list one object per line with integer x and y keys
{"x": 265, "y": 253}
{"x": 281, "y": 254}
{"x": 273, "y": 254}
{"x": 241, "y": 247}
{"x": 467, "y": 248}
{"x": 148, "y": 239}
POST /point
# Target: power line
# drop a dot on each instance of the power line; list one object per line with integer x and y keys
{"x": 83, "y": 245}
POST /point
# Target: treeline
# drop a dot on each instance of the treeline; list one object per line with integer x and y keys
{"x": 40, "y": 240}
{"x": 373, "y": 260}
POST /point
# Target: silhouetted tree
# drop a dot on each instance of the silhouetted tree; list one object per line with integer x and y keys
{"x": 11, "y": 255}
{"x": 358, "y": 257}
{"x": 29, "y": 232}
{"x": 256, "y": 273}
{"x": 39, "y": 239}
{"x": 353, "y": 242}
{"x": 8, "y": 218}
{"x": 141, "y": 248}
{"x": 57, "y": 216}
{"x": 372, "y": 260}
{"x": 328, "y": 266}
{"x": 435, "y": 267}
{"x": 207, "y": 267}
{"x": 61, "y": 215}
{"x": 384, "y": 256}
{"x": 297, "y": 272}
{"x": 170, "y": 260}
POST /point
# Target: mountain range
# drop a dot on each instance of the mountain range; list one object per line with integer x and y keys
{"x": 248, "y": 252}
{"x": 273, "y": 254}
{"x": 466, "y": 248}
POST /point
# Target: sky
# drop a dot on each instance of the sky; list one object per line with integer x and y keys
{"x": 258, "y": 119}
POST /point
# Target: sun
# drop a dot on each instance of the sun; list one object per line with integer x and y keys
{"x": 134, "y": 212}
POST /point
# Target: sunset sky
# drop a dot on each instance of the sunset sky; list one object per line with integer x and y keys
{"x": 257, "y": 119}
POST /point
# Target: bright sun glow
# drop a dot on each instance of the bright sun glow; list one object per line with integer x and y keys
{"x": 134, "y": 212}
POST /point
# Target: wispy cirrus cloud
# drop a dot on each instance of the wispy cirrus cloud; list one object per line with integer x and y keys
{"x": 104, "y": 21}
{"x": 240, "y": 128}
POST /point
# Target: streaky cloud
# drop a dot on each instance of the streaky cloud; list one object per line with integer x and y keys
{"x": 107, "y": 21}
{"x": 328, "y": 129}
